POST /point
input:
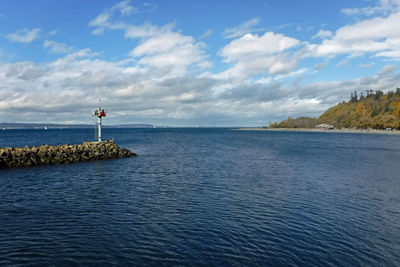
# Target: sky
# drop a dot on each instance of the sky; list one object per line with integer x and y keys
{"x": 192, "y": 63}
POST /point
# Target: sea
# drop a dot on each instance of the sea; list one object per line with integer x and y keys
{"x": 206, "y": 197}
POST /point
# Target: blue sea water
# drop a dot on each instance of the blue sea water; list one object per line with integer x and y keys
{"x": 206, "y": 197}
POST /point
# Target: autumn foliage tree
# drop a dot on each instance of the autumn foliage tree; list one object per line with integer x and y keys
{"x": 374, "y": 109}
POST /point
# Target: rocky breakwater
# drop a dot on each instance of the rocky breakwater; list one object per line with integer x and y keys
{"x": 64, "y": 154}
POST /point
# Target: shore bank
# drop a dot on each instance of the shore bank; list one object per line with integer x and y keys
{"x": 370, "y": 131}
{"x": 64, "y": 154}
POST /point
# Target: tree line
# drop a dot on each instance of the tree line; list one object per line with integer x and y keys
{"x": 375, "y": 94}
{"x": 368, "y": 109}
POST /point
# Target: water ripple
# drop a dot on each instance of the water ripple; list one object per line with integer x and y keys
{"x": 207, "y": 197}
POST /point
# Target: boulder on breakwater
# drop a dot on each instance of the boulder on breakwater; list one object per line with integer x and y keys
{"x": 64, "y": 154}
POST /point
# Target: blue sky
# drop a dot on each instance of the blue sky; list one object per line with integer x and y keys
{"x": 192, "y": 63}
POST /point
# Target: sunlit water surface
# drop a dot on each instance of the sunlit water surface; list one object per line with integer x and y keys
{"x": 206, "y": 196}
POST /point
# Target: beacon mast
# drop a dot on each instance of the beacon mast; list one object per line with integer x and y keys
{"x": 99, "y": 113}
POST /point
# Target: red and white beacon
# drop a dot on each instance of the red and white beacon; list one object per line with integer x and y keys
{"x": 99, "y": 113}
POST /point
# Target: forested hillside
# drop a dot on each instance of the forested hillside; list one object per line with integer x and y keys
{"x": 374, "y": 109}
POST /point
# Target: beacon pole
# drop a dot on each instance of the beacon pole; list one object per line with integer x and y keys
{"x": 99, "y": 127}
{"x": 99, "y": 113}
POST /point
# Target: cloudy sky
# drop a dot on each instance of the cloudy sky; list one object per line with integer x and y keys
{"x": 192, "y": 63}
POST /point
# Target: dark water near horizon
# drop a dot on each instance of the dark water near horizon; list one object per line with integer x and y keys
{"x": 206, "y": 197}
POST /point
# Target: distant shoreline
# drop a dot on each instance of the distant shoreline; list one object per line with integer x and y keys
{"x": 345, "y": 130}
{"x": 41, "y": 126}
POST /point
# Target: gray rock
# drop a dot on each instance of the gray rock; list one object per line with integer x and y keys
{"x": 43, "y": 155}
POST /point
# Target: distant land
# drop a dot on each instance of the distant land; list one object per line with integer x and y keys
{"x": 372, "y": 110}
{"x": 7, "y": 126}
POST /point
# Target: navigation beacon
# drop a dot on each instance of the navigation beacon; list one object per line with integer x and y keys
{"x": 99, "y": 113}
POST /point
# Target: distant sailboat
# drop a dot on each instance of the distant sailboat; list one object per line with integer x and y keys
{"x": 45, "y": 128}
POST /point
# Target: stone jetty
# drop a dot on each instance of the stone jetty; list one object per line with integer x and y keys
{"x": 64, "y": 154}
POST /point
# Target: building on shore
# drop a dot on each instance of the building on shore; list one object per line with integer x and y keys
{"x": 325, "y": 127}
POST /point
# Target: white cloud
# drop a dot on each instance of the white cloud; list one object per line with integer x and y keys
{"x": 343, "y": 63}
{"x": 100, "y": 20}
{"x": 161, "y": 43}
{"x": 384, "y": 7}
{"x": 106, "y": 19}
{"x": 147, "y": 6}
{"x": 395, "y": 55}
{"x": 206, "y": 34}
{"x": 24, "y": 36}
{"x": 124, "y": 8}
{"x": 53, "y": 32}
{"x": 282, "y": 76}
{"x": 242, "y": 29}
{"x": 376, "y": 35}
{"x": 253, "y": 54}
{"x": 387, "y": 70}
{"x": 147, "y": 30}
{"x": 57, "y": 48}
{"x": 68, "y": 88}
{"x": 322, "y": 34}
{"x": 367, "y": 65}
{"x": 303, "y": 100}
{"x": 252, "y": 46}
{"x": 161, "y": 47}
{"x": 103, "y": 21}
